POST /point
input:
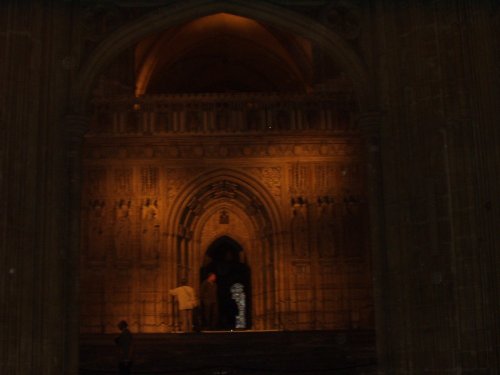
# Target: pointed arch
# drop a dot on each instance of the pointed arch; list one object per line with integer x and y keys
{"x": 251, "y": 194}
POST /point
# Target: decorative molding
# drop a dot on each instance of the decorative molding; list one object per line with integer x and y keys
{"x": 228, "y": 149}
{"x": 220, "y": 113}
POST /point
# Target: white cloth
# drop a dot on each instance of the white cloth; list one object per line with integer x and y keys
{"x": 185, "y": 296}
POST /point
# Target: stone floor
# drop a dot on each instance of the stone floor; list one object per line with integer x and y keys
{"x": 237, "y": 353}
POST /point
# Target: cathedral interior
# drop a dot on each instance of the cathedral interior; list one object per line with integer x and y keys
{"x": 333, "y": 162}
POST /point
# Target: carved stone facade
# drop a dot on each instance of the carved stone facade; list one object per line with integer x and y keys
{"x": 154, "y": 203}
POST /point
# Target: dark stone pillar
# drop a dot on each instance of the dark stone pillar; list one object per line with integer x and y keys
{"x": 370, "y": 125}
{"x": 76, "y": 126}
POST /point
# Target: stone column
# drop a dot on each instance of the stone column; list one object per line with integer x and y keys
{"x": 76, "y": 126}
{"x": 370, "y": 125}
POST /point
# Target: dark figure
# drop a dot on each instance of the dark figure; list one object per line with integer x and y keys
{"x": 228, "y": 310}
{"x": 208, "y": 297}
{"x": 125, "y": 349}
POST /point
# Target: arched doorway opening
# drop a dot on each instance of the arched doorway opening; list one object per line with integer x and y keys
{"x": 228, "y": 207}
{"x": 308, "y": 174}
{"x": 225, "y": 257}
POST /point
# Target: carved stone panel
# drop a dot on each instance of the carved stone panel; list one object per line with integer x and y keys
{"x": 150, "y": 232}
{"x": 300, "y": 179}
{"x": 98, "y": 230}
{"x": 123, "y": 181}
{"x": 299, "y": 230}
{"x": 328, "y": 233}
{"x": 297, "y": 197}
{"x": 122, "y": 234}
{"x": 149, "y": 180}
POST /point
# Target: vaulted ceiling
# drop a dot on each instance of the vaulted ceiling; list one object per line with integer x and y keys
{"x": 223, "y": 53}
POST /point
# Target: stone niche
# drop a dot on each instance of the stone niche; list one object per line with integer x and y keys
{"x": 167, "y": 178}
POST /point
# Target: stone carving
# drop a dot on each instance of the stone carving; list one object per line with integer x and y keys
{"x": 219, "y": 113}
{"x": 224, "y": 189}
{"x": 300, "y": 179}
{"x": 328, "y": 234}
{"x": 299, "y": 229}
{"x": 176, "y": 178}
{"x": 230, "y": 149}
{"x": 325, "y": 179}
{"x": 302, "y": 274}
{"x": 271, "y": 177}
{"x": 97, "y": 240}
{"x": 163, "y": 123}
{"x": 149, "y": 180}
{"x": 123, "y": 181}
{"x": 122, "y": 229}
{"x": 193, "y": 121}
{"x": 146, "y": 170}
{"x": 224, "y": 217}
{"x": 150, "y": 233}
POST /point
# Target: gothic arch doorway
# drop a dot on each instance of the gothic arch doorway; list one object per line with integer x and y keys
{"x": 226, "y": 258}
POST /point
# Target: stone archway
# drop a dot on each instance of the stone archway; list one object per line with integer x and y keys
{"x": 180, "y": 236}
{"x": 228, "y": 203}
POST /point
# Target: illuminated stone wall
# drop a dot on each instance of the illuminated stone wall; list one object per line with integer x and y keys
{"x": 295, "y": 203}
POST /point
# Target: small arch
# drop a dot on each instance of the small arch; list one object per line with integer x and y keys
{"x": 197, "y": 192}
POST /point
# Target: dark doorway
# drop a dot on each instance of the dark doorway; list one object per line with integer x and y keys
{"x": 225, "y": 258}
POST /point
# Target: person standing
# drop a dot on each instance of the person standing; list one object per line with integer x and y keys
{"x": 125, "y": 349}
{"x": 187, "y": 301}
{"x": 208, "y": 296}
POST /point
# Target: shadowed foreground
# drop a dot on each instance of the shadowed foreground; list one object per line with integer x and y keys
{"x": 237, "y": 353}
